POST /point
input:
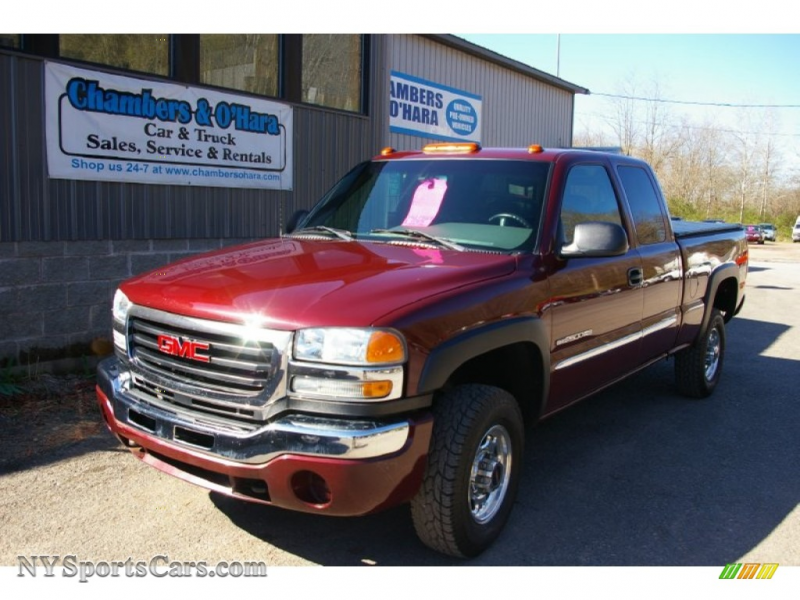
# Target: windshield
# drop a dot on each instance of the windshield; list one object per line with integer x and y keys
{"x": 461, "y": 204}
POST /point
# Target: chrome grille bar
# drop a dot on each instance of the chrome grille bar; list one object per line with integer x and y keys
{"x": 155, "y": 330}
{"x": 179, "y": 366}
{"x": 228, "y": 362}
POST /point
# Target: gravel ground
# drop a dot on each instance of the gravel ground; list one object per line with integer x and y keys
{"x": 68, "y": 487}
{"x": 47, "y": 415}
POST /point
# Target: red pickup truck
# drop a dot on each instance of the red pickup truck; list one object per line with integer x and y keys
{"x": 394, "y": 344}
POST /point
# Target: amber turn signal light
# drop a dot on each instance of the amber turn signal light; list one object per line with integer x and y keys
{"x": 385, "y": 347}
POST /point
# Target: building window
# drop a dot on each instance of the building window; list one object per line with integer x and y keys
{"x": 241, "y": 62}
{"x": 9, "y": 40}
{"x": 148, "y": 53}
{"x": 332, "y": 71}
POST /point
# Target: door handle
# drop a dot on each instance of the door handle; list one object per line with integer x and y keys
{"x": 635, "y": 276}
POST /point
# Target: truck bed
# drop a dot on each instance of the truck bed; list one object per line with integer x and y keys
{"x": 683, "y": 229}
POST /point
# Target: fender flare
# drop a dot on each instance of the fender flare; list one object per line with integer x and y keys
{"x": 446, "y": 358}
{"x": 722, "y": 273}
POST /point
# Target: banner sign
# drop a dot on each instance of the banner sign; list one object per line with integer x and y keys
{"x": 427, "y": 109}
{"x": 106, "y": 127}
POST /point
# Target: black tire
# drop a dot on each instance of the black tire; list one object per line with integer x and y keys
{"x": 458, "y": 512}
{"x": 699, "y": 367}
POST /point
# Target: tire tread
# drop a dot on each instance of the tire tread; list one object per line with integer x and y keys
{"x": 690, "y": 363}
{"x": 434, "y": 510}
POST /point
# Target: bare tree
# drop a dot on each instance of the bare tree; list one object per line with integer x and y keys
{"x": 588, "y": 138}
{"x": 707, "y": 170}
{"x": 769, "y": 161}
{"x": 624, "y": 120}
{"x": 659, "y": 135}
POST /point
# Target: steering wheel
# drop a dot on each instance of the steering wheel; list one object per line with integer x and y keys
{"x": 503, "y": 217}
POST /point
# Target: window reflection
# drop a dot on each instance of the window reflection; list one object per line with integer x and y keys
{"x": 246, "y": 62}
{"x": 148, "y": 53}
{"x": 332, "y": 71}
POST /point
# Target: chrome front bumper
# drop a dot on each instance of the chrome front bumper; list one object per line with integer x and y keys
{"x": 249, "y": 443}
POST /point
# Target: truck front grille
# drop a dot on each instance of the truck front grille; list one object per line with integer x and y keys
{"x": 218, "y": 361}
{"x": 227, "y": 373}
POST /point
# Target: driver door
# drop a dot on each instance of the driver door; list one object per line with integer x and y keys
{"x": 596, "y": 311}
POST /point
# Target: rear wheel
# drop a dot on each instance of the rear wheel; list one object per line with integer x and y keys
{"x": 473, "y": 469}
{"x": 699, "y": 367}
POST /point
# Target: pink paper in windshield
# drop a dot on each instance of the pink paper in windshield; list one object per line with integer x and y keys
{"x": 426, "y": 203}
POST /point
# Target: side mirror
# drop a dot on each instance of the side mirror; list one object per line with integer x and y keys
{"x": 596, "y": 239}
{"x": 295, "y": 220}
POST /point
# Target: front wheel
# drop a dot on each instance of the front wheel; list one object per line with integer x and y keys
{"x": 699, "y": 367}
{"x": 473, "y": 469}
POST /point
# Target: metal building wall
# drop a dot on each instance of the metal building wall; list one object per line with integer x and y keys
{"x": 65, "y": 245}
{"x": 33, "y": 207}
{"x": 518, "y": 110}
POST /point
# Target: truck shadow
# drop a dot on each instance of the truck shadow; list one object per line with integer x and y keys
{"x": 636, "y": 475}
{"x": 31, "y": 458}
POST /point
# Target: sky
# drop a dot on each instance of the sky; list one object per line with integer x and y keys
{"x": 716, "y": 69}
{"x": 698, "y": 51}
{"x": 701, "y": 52}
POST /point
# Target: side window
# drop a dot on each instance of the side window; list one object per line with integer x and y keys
{"x": 588, "y": 196}
{"x": 136, "y": 52}
{"x": 648, "y": 216}
{"x": 332, "y": 70}
{"x": 10, "y": 40}
{"x": 241, "y": 62}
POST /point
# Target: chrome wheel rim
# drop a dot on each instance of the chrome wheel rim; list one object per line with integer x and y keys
{"x": 491, "y": 474}
{"x": 713, "y": 349}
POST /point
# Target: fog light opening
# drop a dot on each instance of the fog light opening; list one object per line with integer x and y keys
{"x": 127, "y": 442}
{"x": 311, "y": 488}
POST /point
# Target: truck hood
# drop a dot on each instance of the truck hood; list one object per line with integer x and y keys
{"x": 290, "y": 283}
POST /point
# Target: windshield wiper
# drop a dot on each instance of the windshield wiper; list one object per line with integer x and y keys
{"x": 342, "y": 234}
{"x": 421, "y": 235}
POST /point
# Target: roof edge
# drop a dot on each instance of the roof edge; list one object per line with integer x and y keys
{"x": 467, "y": 47}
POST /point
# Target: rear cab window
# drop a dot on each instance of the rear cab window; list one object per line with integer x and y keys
{"x": 646, "y": 207}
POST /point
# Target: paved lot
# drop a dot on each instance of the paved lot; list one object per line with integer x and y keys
{"x": 634, "y": 476}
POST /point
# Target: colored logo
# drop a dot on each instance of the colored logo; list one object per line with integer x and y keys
{"x": 462, "y": 117}
{"x": 183, "y": 348}
{"x": 749, "y": 571}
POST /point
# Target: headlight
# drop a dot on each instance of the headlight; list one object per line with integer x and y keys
{"x": 347, "y": 363}
{"x": 350, "y": 346}
{"x": 355, "y": 389}
{"x": 120, "y": 307}
{"x": 119, "y": 311}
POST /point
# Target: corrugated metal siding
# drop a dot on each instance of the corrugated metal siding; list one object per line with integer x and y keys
{"x": 517, "y": 110}
{"x": 22, "y": 150}
{"x": 35, "y": 208}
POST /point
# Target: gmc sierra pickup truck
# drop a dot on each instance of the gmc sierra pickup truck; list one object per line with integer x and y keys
{"x": 394, "y": 344}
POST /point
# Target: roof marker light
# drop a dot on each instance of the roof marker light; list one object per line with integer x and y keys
{"x": 535, "y": 149}
{"x": 387, "y": 151}
{"x": 451, "y": 148}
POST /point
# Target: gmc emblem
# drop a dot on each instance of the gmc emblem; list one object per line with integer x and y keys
{"x": 183, "y": 349}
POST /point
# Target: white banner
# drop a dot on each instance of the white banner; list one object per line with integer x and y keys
{"x": 115, "y": 128}
{"x": 424, "y": 108}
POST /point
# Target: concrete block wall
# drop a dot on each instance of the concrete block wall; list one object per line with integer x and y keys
{"x": 55, "y": 297}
